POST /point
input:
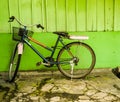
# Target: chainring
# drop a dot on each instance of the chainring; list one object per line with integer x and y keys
{"x": 50, "y": 60}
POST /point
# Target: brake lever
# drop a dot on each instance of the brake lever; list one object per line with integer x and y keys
{"x": 40, "y": 26}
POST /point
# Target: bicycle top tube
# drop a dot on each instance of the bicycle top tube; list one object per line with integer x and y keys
{"x": 12, "y": 18}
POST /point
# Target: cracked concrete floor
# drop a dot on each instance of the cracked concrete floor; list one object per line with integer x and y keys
{"x": 46, "y": 86}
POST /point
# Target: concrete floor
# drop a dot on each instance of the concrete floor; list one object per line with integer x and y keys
{"x": 46, "y": 86}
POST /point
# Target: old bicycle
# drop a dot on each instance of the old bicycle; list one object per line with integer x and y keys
{"x": 74, "y": 60}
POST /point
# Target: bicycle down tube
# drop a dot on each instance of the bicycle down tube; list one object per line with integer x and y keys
{"x": 42, "y": 45}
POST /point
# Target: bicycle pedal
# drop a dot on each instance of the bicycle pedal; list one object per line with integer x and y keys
{"x": 38, "y": 63}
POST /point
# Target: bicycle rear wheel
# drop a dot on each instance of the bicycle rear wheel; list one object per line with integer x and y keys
{"x": 14, "y": 64}
{"x": 76, "y": 60}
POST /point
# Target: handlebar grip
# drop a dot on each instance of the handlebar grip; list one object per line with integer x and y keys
{"x": 40, "y": 26}
{"x": 11, "y": 19}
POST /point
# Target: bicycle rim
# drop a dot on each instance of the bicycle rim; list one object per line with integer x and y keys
{"x": 14, "y": 65}
{"x": 76, "y": 60}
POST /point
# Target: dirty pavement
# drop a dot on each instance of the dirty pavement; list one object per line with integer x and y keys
{"x": 51, "y": 86}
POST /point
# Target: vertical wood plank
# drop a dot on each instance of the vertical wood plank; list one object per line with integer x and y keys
{"x": 37, "y": 14}
{"x": 91, "y": 15}
{"x": 100, "y": 15}
{"x": 25, "y": 8}
{"x": 4, "y": 16}
{"x": 44, "y": 15}
{"x": 81, "y": 15}
{"x": 14, "y": 10}
{"x": 109, "y": 15}
{"x": 51, "y": 15}
{"x": 71, "y": 15}
{"x": 60, "y": 15}
{"x": 117, "y": 16}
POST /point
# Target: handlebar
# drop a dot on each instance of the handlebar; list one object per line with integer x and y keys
{"x": 12, "y": 18}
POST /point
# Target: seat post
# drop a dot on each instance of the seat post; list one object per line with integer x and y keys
{"x": 55, "y": 46}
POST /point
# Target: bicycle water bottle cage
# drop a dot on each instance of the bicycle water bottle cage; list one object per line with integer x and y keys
{"x": 63, "y": 34}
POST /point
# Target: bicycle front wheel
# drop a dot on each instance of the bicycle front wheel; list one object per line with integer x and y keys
{"x": 14, "y": 64}
{"x": 76, "y": 60}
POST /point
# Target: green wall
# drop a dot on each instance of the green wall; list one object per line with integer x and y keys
{"x": 99, "y": 19}
{"x": 105, "y": 44}
{"x": 65, "y": 15}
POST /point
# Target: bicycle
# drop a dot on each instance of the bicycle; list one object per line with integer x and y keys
{"x": 74, "y": 60}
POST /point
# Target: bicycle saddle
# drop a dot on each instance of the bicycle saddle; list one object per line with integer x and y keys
{"x": 64, "y": 34}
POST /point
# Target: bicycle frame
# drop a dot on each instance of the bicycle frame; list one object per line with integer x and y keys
{"x": 59, "y": 39}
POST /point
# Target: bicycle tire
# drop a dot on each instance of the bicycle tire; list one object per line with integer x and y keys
{"x": 81, "y": 67}
{"x": 14, "y": 64}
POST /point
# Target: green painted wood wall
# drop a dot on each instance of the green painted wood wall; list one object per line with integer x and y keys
{"x": 65, "y": 15}
{"x": 99, "y": 19}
